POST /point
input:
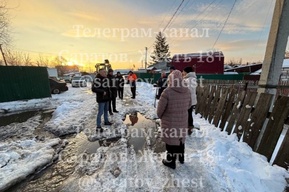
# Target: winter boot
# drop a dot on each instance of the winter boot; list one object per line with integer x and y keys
{"x": 170, "y": 164}
{"x": 108, "y": 123}
{"x": 170, "y": 161}
{"x": 182, "y": 158}
{"x": 99, "y": 129}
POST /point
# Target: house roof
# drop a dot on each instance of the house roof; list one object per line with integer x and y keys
{"x": 203, "y": 54}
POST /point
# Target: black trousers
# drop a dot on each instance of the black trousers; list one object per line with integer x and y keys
{"x": 120, "y": 92}
{"x": 160, "y": 92}
{"x": 133, "y": 91}
{"x": 190, "y": 118}
{"x": 112, "y": 102}
{"x": 175, "y": 152}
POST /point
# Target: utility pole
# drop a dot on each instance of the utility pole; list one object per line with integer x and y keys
{"x": 146, "y": 56}
{"x": 3, "y": 55}
{"x": 275, "y": 50}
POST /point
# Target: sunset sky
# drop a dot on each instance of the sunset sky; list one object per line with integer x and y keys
{"x": 88, "y": 31}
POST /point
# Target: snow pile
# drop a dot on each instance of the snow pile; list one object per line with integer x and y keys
{"x": 233, "y": 163}
{"x": 74, "y": 109}
{"x": 214, "y": 161}
{"x": 33, "y": 104}
{"x": 20, "y": 130}
{"x": 21, "y": 158}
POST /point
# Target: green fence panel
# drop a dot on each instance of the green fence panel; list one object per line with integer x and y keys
{"x": 221, "y": 77}
{"x": 153, "y": 77}
{"x": 148, "y": 77}
{"x": 22, "y": 83}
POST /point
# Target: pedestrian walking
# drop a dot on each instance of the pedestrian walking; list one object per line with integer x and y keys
{"x": 173, "y": 111}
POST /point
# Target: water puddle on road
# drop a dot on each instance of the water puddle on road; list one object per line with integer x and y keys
{"x": 16, "y": 117}
{"x": 142, "y": 133}
{"x": 54, "y": 176}
{"x": 21, "y": 117}
{"x": 127, "y": 101}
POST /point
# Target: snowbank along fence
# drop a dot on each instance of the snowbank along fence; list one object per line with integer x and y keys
{"x": 249, "y": 115}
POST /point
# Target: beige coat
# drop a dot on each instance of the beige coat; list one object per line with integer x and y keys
{"x": 191, "y": 82}
{"x": 173, "y": 111}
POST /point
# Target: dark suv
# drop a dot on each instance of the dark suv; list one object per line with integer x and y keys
{"x": 57, "y": 87}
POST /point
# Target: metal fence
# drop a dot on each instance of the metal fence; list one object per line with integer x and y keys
{"x": 23, "y": 82}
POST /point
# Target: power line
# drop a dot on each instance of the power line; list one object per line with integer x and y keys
{"x": 225, "y": 23}
{"x": 170, "y": 20}
{"x": 171, "y": 7}
{"x": 173, "y": 15}
{"x": 263, "y": 27}
{"x": 201, "y": 13}
{"x": 180, "y": 11}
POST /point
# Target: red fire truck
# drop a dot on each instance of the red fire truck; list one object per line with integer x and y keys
{"x": 202, "y": 62}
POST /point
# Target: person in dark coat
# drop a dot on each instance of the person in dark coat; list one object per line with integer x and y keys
{"x": 172, "y": 68}
{"x": 120, "y": 84}
{"x": 101, "y": 88}
{"x": 173, "y": 111}
{"x": 161, "y": 84}
{"x": 113, "y": 91}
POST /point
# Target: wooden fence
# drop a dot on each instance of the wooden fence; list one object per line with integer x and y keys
{"x": 247, "y": 114}
{"x": 282, "y": 88}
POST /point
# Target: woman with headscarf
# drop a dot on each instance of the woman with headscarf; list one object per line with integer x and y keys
{"x": 173, "y": 111}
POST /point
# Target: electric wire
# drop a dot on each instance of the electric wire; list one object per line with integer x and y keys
{"x": 173, "y": 15}
{"x": 224, "y": 24}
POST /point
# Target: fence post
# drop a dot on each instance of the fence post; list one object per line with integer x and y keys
{"x": 274, "y": 127}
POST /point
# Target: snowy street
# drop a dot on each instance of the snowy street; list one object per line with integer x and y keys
{"x": 62, "y": 139}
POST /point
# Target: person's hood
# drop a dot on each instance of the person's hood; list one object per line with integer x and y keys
{"x": 180, "y": 89}
{"x": 191, "y": 74}
{"x": 175, "y": 82}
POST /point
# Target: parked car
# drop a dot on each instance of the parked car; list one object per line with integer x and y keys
{"x": 57, "y": 79}
{"x": 57, "y": 87}
{"x": 67, "y": 78}
{"x": 88, "y": 78}
{"x": 78, "y": 81}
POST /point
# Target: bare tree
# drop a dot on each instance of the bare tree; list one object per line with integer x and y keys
{"x": 11, "y": 57}
{"x": 17, "y": 58}
{"x": 59, "y": 60}
{"x": 26, "y": 59}
{"x": 5, "y": 38}
{"x": 42, "y": 61}
{"x": 240, "y": 61}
